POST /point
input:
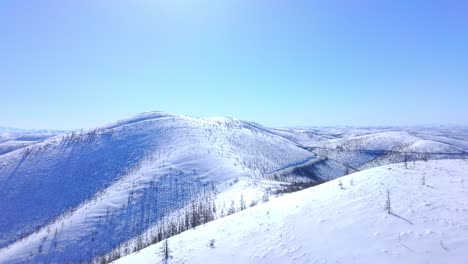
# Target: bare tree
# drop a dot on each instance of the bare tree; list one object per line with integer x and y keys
{"x": 403, "y": 149}
{"x": 243, "y": 206}
{"x": 388, "y": 204}
{"x": 232, "y": 209}
{"x": 253, "y": 203}
{"x": 405, "y": 160}
{"x": 212, "y": 243}
{"x": 425, "y": 158}
{"x": 166, "y": 252}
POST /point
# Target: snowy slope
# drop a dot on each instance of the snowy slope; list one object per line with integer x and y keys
{"x": 394, "y": 140}
{"x": 303, "y": 137}
{"x": 96, "y": 189}
{"x": 13, "y": 138}
{"x": 444, "y": 138}
{"x": 326, "y": 224}
{"x": 363, "y": 148}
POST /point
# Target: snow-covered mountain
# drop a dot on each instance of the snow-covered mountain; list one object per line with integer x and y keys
{"x": 342, "y": 221}
{"x": 112, "y": 189}
{"x": 96, "y": 189}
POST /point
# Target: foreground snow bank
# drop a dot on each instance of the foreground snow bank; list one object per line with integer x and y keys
{"x": 328, "y": 224}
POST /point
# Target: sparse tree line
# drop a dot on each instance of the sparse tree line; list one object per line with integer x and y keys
{"x": 400, "y": 153}
{"x": 140, "y": 211}
{"x": 295, "y": 186}
{"x": 198, "y": 212}
{"x": 290, "y": 183}
{"x": 66, "y": 139}
{"x": 78, "y": 137}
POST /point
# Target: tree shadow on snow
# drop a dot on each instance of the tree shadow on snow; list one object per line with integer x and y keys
{"x": 402, "y": 218}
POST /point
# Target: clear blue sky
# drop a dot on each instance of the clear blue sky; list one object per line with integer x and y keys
{"x": 80, "y": 64}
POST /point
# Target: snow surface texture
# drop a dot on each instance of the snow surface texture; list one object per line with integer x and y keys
{"x": 427, "y": 223}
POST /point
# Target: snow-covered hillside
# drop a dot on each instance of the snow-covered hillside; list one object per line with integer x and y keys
{"x": 394, "y": 140}
{"x": 96, "y": 189}
{"x": 363, "y": 148}
{"x": 12, "y": 138}
{"x": 113, "y": 187}
{"x": 427, "y": 223}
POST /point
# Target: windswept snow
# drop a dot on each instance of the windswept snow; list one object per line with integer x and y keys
{"x": 428, "y": 222}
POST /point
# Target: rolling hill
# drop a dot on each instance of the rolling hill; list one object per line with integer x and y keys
{"x": 96, "y": 189}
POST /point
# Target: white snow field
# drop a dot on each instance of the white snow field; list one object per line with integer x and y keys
{"x": 428, "y": 222}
